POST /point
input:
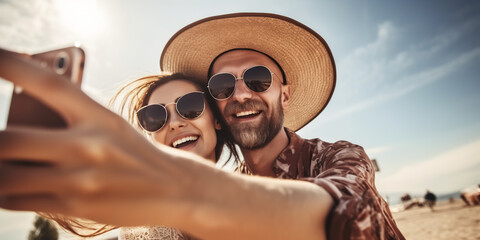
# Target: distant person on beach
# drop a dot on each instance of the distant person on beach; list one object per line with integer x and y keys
{"x": 405, "y": 198}
{"x": 409, "y": 202}
{"x": 471, "y": 196}
{"x": 430, "y": 200}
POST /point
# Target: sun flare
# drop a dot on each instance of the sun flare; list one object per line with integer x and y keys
{"x": 83, "y": 17}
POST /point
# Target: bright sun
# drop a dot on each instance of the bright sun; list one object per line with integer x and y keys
{"x": 83, "y": 17}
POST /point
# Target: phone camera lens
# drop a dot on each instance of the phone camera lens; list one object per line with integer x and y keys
{"x": 61, "y": 62}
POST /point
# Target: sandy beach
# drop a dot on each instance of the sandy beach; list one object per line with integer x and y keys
{"x": 448, "y": 221}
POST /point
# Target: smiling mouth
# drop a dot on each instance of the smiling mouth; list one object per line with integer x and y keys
{"x": 182, "y": 142}
{"x": 247, "y": 114}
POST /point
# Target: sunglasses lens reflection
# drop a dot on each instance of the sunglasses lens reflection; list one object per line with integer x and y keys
{"x": 152, "y": 117}
{"x": 191, "y": 105}
{"x": 222, "y": 85}
{"x": 258, "y": 78}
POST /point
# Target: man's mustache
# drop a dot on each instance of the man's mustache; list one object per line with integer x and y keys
{"x": 249, "y": 105}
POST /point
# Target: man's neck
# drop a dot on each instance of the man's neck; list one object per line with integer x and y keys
{"x": 260, "y": 160}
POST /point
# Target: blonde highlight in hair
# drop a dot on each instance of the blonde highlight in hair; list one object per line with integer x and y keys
{"x": 78, "y": 226}
{"x": 133, "y": 96}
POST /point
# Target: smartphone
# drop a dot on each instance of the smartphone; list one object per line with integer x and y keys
{"x": 25, "y": 110}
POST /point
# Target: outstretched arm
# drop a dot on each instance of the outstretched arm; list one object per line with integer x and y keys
{"x": 101, "y": 168}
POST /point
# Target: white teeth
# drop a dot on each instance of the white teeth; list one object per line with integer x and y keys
{"x": 183, "y": 140}
{"x": 241, "y": 114}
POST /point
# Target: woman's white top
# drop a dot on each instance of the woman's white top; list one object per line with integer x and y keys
{"x": 149, "y": 233}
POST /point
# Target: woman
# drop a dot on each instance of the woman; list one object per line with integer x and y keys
{"x": 188, "y": 124}
{"x": 171, "y": 110}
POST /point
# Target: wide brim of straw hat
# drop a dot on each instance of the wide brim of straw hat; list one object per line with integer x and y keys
{"x": 302, "y": 54}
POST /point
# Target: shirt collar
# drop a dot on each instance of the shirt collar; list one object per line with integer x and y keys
{"x": 286, "y": 163}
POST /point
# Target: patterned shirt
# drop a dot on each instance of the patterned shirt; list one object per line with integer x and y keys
{"x": 344, "y": 170}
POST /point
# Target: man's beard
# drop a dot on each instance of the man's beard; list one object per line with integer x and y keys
{"x": 254, "y": 136}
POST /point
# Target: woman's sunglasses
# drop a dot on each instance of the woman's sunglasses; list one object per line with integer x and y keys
{"x": 222, "y": 85}
{"x": 189, "y": 106}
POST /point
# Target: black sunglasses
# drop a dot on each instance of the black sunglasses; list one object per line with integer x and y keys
{"x": 257, "y": 78}
{"x": 189, "y": 106}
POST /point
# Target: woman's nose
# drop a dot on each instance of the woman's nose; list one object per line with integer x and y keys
{"x": 175, "y": 121}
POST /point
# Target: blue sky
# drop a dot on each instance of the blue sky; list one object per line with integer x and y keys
{"x": 407, "y": 85}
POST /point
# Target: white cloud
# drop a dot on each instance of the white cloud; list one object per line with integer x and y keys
{"x": 26, "y": 24}
{"x": 387, "y": 59}
{"x": 408, "y": 84}
{"x": 367, "y": 63}
{"x": 29, "y": 25}
{"x": 376, "y": 72}
{"x": 439, "y": 173}
{"x": 416, "y": 80}
{"x": 372, "y": 152}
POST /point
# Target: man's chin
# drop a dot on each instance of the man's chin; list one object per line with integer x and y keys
{"x": 249, "y": 137}
{"x": 249, "y": 142}
{"x": 257, "y": 133}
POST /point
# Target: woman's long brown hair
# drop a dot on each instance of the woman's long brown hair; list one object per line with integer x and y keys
{"x": 127, "y": 101}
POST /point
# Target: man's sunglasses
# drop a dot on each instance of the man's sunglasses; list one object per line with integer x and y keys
{"x": 222, "y": 85}
{"x": 189, "y": 106}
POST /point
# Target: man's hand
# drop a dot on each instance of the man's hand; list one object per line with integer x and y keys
{"x": 99, "y": 167}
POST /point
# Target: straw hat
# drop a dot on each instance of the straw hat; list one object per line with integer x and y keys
{"x": 302, "y": 54}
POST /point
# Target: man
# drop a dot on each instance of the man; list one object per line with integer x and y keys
{"x": 226, "y": 47}
{"x": 430, "y": 199}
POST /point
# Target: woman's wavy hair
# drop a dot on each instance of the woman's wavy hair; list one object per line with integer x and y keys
{"x": 127, "y": 101}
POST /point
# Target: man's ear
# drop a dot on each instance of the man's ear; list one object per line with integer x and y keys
{"x": 217, "y": 125}
{"x": 285, "y": 96}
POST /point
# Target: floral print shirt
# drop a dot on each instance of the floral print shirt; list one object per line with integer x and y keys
{"x": 344, "y": 170}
